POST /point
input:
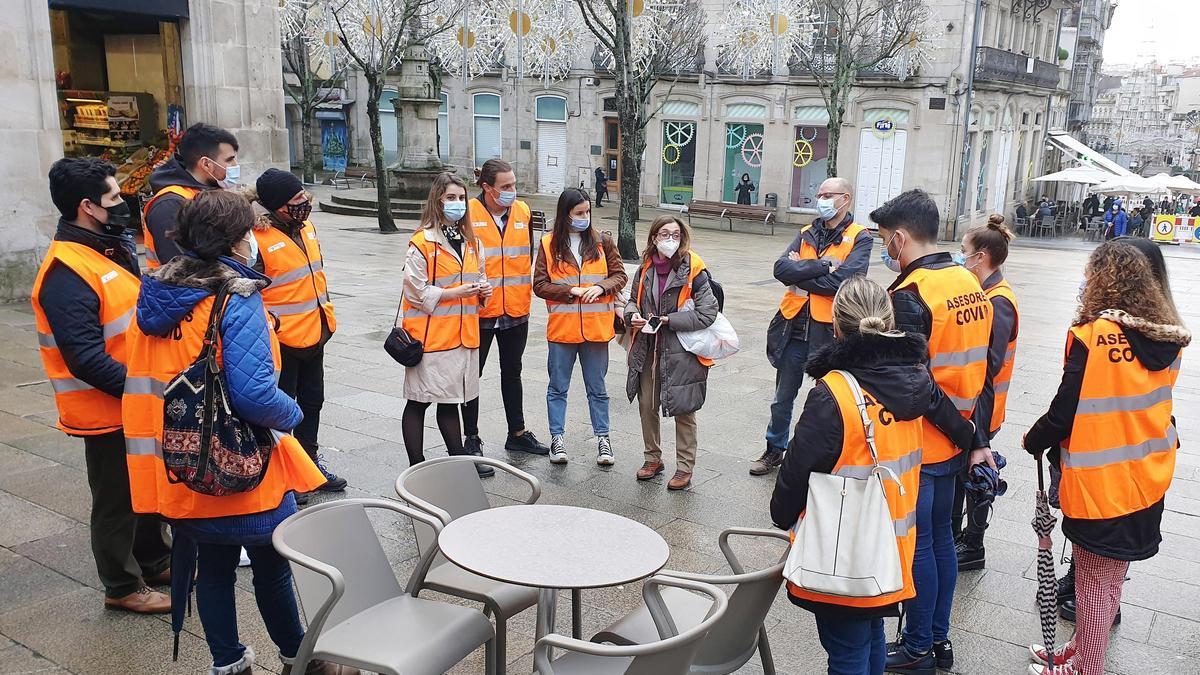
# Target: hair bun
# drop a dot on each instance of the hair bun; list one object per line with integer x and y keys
{"x": 871, "y": 324}
{"x": 995, "y": 221}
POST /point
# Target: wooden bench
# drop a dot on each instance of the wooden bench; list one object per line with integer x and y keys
{"x": 537, "y": 221}
{"x": 761, "y": 214}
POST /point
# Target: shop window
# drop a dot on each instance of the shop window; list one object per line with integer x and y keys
{"x": 744, "y": 149}
{"x": 443, "y": 128}
{"x": 1019, "y": 181}
{"x": 550, "y": 109}
{"x": 486, "y": 112}
{"x": 678, "y": 162}
{"x": 964, "y": 196}
{"x": 981, "y": 185}
{"x": 610, "y": 104}
{"x": 387, "y": 126}
{"x": 810, "y": 150}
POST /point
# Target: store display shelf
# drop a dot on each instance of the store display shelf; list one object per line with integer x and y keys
{"x": 92, "y": 125}
{"x": 107, "y": 143}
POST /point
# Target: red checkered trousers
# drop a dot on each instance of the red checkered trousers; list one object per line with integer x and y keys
{"x": 1098, "y": 582}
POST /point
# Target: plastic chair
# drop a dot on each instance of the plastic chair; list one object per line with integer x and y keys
{"x": 1042, "y": 225}
{"x": 733, "y": 639}
{"x": 449, "y": 488}
{"x": 671, "y": 654}
{"x": 363, "y": 617}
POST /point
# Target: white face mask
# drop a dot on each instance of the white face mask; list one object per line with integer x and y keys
{"x": 667, "y": 247}
{"x": 232, "y": 174}
{"x": 252, "y": 242}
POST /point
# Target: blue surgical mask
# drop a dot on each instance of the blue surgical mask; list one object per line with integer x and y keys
{"x": 454, "y": 210}
{"x": 959, "y": 258}
{"x": 506, "y": 199}
{"x": 580, "y": 224}
{"x": 888, "y": 261}
{"x": 826, "y": 209}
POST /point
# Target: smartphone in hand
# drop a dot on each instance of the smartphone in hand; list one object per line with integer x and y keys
{"x": 652, "y": 324}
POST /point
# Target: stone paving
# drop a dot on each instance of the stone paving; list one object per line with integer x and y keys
{"x": 51, "y": 615}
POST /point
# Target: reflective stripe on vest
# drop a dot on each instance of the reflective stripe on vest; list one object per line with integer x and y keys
{"x": 576, "y": 322}
{"x": 507, "y": 258}
{"x": 187, "y": 193}
{"x": 795, "y": 298}
{"x": 1004, "y": 376}
{"x": 898, "y": 443}
{"x": 1120, "y": 457}
{"x": 695, "y": 267}
{"x": 299, "y": 293}
{"x": 154, "y": 362}
{"x": 453, "y": 323}
{"x": 82, "y": 409}
{"x": 961, "y": 321}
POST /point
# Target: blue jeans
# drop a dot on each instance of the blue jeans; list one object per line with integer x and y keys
{"x": 788, "y": 378}
{"x": 935, "y": 563}
{"x": 854, "y": 646}
{"x": 216, "y": 572}
{"x": 593, "y": 360}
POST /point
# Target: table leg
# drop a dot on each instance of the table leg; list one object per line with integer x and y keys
{"x": 546, "y": 611}
{"x": 577, "y": 613}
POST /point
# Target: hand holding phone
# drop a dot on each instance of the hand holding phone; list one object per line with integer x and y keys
{"x": 652, "y": 324}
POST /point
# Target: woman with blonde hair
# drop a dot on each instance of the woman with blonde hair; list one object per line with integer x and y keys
{"x": 444, "y": 286}
{"x": 889, "y": 367}
{"x": 663, "y": 375}
{"x": 1110, "y": 431}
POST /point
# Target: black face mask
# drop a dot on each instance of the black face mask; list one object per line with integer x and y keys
{"x": 299, "y": 212}
{"x": 118, "y": 219}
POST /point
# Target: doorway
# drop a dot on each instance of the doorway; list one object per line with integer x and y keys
{"x": 612, "y": 153}
{"x": 880, "y": 168}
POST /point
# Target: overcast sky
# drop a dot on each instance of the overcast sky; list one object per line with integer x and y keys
{"x": 1167, "y": 29}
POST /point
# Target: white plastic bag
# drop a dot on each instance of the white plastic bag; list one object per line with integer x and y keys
{"x": 718, "y": 341}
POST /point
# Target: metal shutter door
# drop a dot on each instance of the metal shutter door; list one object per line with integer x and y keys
{"x": 551, "y": 157}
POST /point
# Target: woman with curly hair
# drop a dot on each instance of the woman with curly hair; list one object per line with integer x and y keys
{"x": 1110, "y": 430}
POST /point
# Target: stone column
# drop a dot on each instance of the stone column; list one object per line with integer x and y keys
{"x": 32, "y": 141}
{"x": 233, "y": 78}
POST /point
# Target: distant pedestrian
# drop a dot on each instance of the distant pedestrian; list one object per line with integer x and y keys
{"x": 579, "y": 274}
{"x": 1195, "y": 210}
{"x": 601, "y": 186}
{"x": 445, "y": 284}
{"x": 1115, "y": 221}
{"x": 889, "y": 366}
{"x": 1136, "y": 221}
{"x": 668, "y": 380}
{"x": 83, "y": 303}
{"x": 1116, "y": 460}
{"x": 743, "y": 190}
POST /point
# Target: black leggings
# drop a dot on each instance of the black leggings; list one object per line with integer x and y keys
{"x": 412, "y": 426}
{"x": 511, "y": 344}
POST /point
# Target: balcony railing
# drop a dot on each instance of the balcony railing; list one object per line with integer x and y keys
{"x": 997, "y": 65}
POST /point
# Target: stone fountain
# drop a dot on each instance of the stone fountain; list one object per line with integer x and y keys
{"x": 416, "y": 106}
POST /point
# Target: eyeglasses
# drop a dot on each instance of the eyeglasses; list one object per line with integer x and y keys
{"x": 830, "y": 195}
{"x": 664, "y": 235}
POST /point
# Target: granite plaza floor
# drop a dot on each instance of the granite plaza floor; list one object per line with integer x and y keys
{"x": 51, "y": 614}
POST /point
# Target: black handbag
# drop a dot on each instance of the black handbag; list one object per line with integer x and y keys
{"x": 205, "y": 446}
{"x": 400, "y": 345}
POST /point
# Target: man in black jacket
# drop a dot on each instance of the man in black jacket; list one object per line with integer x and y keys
{"x": 130, "y": 549}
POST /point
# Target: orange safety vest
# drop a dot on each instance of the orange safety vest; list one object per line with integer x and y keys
{"x": 298, "y": 294}
{"x": 576, "y": 322}
{"x": 1120, "y": 455}
{"x": 82, "y": 409}
{"x": 186, "y": 192}
{"x": 153, "y": 363}
{"x": 453, "y": 323}
{"x": 795, "y": 298}
{"x": 958, "y": 343}
{"x": 898, "y": 443}
{"x": 507, "y": 259}
{"x": 696, "y": 266}
{"x": 1004, "y": 377}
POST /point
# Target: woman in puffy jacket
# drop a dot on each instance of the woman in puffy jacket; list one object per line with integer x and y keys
{"x": 173, "y": 311}
{"x": 662, "y": 374}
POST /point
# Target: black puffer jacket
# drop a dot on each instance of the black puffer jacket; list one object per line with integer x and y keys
{"x": 160, "y": 220}
{"x": 891, "y": 369}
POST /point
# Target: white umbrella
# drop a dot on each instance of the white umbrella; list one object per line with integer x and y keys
{"x": 1178, "y": 183}
{"x": 1077, "y": 174}
{"x": 1125, "y": 185}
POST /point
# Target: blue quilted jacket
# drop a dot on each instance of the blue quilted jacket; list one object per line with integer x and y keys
{"x": 171, "y": 292}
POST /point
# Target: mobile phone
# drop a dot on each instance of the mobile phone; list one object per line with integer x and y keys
{"x": 652, "y": 324}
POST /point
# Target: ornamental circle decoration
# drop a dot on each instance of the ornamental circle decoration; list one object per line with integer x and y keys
{"x": 802, "y": 154}
{"x": 678, "y": 153}
{"x": 806, "y": 138}
{"x": 680, "y": 133}
{"x": 735, "y": 136}
{"x": 752, "y": 150}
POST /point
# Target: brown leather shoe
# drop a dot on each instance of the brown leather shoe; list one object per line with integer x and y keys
{"x": 163, "y": 578}
{"x": 141, "y": 601}
{"x": 649, "y": 470}
{"x": 680, "y": 480}
{"x": 319, "y": 667}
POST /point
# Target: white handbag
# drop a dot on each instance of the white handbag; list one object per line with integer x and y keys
{"x": 845, "y": 543}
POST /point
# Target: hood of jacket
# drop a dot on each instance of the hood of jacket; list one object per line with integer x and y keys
{"x": 172, "y": 172}
{"x": 892, "y": 369}
{"x": 170, "y": 292}
{"x": 1155, "y": 345}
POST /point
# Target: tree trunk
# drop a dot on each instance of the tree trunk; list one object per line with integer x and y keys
{"x": 310, "y": 147}
{"x": 836, "y": 109}
{"x": 633, "y": 143}
{"x": 383, "y": 199}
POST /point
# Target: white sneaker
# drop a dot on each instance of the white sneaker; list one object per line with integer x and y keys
{"x": 244, "y": 560}
{"x": 1063, "y": 669}
{"x": 604, "y": 456}
{"x": 558, "y": 450}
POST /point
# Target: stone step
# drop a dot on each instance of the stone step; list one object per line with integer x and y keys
{"x": 367, "y": 199}
{"x": 365, "y": 211}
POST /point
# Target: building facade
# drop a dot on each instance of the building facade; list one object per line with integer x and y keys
{"x": 1136, "y": 116}
{"x": 70, "y": 65}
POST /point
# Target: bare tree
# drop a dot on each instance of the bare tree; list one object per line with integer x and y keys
{"x": 315, "y": 84}
{"x": 642, "y": 42}
{"x": 852, "y": 36}
{"x": 374, "y": 35}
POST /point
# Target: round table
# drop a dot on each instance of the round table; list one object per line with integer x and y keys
{"x": 552, "y": 547}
